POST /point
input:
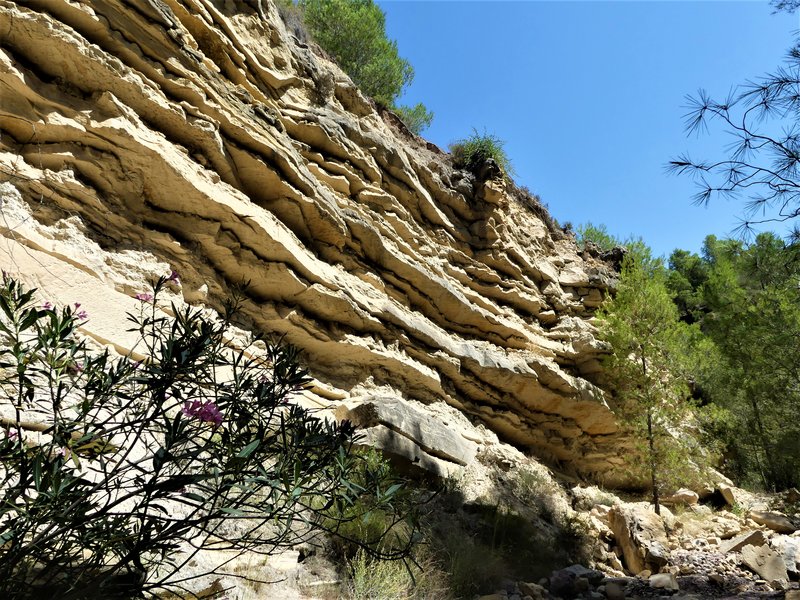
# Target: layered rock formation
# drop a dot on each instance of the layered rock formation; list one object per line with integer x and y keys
{"x": 195, "y": 135}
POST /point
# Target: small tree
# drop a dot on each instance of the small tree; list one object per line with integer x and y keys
{"x": 646, "y": 368}
{"x": 417, "y": 118}
{"x": 353, "y": 32}
{"x": 115, "y": 473}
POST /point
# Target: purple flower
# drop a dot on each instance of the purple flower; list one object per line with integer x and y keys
{"x": 47, "y": 306}
{"x": 76, "y": 367}
{"x": 207, "y": 412}
{"x": 12, "y": 435}
{"x": 144, "y": 297}
{"x": 81, "y": 315}
{"x": 174, "y": 278}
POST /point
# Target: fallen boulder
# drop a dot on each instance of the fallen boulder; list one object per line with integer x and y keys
{"x": 764, "y": 561}
{"x": 641, "y": 534}
{"x": 752, "y": 538}
{"x": 682, "y": 496}
{"x": 774, "y": 520}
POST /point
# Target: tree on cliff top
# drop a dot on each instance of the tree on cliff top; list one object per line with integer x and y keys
{"x": 353, "y": 32}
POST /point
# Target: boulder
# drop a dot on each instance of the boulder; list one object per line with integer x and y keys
{"x": 774, "y": 520}
{"x": 641, "y": 535}
{"x": 682, "y": 496}
{"x": 409, "y": 430}
{"x": 764, "y": 561}
{"x": 615, "y": 590}
{"x": 734, "y": 496}
{"x": 534, "y": 590}
{"x": 752, "y": 538}
{"x": 667, "y": 581}
{"x": 788, "y": 548}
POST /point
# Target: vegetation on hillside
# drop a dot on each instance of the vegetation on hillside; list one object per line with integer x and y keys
{"x": 471, "y": 153}
{"x": 353, "y": 33}
{"x": 746, "y": 300}
{"x": 709, "y": 339}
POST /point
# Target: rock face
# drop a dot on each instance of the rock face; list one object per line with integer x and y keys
{"x": 197, "y": 136}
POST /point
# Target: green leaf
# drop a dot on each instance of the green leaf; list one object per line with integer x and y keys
{"x": 193, "y": 496}
{"x": 232, "y": 511}
{"x": 249, "y": 449}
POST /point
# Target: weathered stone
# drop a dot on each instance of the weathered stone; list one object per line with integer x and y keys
{"x": 641, "y": 535}
{"x": 682, "y": 496}
{"x": 563, "y": 584}
{"x": 593, "y": 576}
{"x": 775, "y": 521}
{"x": 666, "y": 581}
{"x": 788, "y": 548}
{"x": 615, "y": 590}
{"x": 410, "y": 420}
{"x": 765, "y": 562}
{"x": 534, "y": 590}
{"x": 753, "y": 538}
{"x": 731, "y": 494}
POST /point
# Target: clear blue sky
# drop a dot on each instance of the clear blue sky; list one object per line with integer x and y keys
{"x": 589, "y": 96}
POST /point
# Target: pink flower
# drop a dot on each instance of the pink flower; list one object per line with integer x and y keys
{"x": 12, "y": 435}
{"x": 47, "y": 306}
{"x": 76, "y": 367}
{"x": 174, "y": 278}
{"x": 207, "y": 412}
{"x": 81, "y": 315}
{"x": 144, "y": 297}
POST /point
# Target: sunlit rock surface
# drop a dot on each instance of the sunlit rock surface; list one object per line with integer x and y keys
{"x": 193, "y": 135}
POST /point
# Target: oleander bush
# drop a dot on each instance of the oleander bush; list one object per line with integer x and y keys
{"x": 115, "y": 473}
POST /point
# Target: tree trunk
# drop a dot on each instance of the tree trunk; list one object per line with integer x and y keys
{"x": 653, "y": 469}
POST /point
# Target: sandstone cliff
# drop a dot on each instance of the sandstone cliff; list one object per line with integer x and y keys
{"x": 195, "y": 135}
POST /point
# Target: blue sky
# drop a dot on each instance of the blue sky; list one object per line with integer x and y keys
{"x": 589, "y": 97}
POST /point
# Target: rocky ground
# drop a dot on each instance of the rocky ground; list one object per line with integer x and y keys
{"x": 748, "y": 548}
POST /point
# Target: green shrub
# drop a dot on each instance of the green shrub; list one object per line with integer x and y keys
{"x": 417, "y": 118}
{"x": 115, "y": 473}
{"x": 381, "y": 517}
{"x": 353, "y": 32}
{"x": 596, "y": 234}
{"x": 473, "y": 152}
{"x": 536, "y": 491}
{"x": 375, "y": 579}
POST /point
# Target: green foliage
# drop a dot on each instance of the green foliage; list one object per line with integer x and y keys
{"x": 375, "y": 579}
{"x": 473, "y": 152}
{"x": 598, "y": 235}
{"x": 535, "y": 491}
{"x": 761, "y": 161}
{"x": 353, "y": 32}
{"x": 417, "y": 118}
{"x": 746, "y": 299}
{"x": 648, "y": 369}
{"x": 381, "y": 516}
{"x": 116, "y": 473}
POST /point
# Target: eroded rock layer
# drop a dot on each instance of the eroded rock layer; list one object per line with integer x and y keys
{"x": 196, "y": 135}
